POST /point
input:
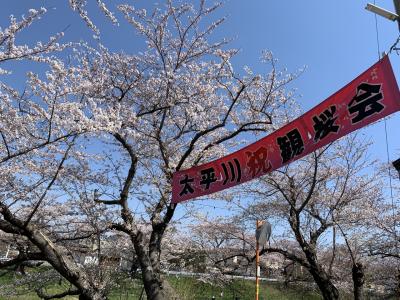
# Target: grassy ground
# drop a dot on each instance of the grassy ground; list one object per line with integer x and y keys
{"x": 187, "y": 288}
{"x": 192, "y": 289}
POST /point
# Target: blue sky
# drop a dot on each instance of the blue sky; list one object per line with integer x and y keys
{"x": 336, "y": 40}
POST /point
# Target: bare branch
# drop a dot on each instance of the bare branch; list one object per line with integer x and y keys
{"x": 70, "y": 292}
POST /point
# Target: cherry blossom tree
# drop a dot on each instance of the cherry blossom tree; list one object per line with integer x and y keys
{"x": 104, "y": 132}
{"x": 315, "y": 197}
{"x": 88, "y": 150}
{"x": 383, "y": 239}
{"x": 9, "y": 50}
{"x": 178, "y": 104}
{"x": 36, "y": 149}
{"x": 346, "y": 220}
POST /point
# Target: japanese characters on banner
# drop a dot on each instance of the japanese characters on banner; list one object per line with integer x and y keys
{"x": 371, "y": 96}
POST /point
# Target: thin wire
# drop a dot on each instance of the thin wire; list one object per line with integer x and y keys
{"x": 390, "y": 175}
{"x": 391, "y": 193}
{"x": 377, "y": 36}
{"x": 387, "y": 146}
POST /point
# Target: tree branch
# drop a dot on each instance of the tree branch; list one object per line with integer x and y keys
{"x": 36, "y": 147}
{"x": 22, "y": 257}
{"x": 60, "y": 166}
{"x": 313, "y": 184}
{"x": 286, "y": 254}
{"x": 69, "y": 292}
{"x": 206, "y": 131}
{"x": 126, "y": 215}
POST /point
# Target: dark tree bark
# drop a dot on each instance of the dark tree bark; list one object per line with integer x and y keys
{"x": 358, "y": 281}
{"x": 321, "y": 277}
{"x": 357, "y": 271}
{"x": 155, "y": 286}
{"x": 42, "y": 295}
{"x": 398, "y": 284}
{"x": 151, "y": 281}
{"x": 309, "y": 261}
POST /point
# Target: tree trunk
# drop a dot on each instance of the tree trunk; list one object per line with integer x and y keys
{"x": 65, "y": 267}
{"x": 155, "y": 286}
{"x": 358, "y": 281}
{"x": 54, "y": 255}
{"x": 321, "y": 277}
{"x": 152, "y": 285}
{"x": 325, "y": 285}
{"x": 398, "y": 284}
{"x": 92, "y": 296}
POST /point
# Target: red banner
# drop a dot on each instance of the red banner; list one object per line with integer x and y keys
{"x": 371, "y": 96}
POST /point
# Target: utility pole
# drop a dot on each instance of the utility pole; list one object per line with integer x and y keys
{"x": 258, "y": 224}
{"x": 397, "y": 10}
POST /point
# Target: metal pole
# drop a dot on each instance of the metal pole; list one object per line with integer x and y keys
{"x": 397, "y": 10}
{"x": 258, "y": 224}
{"x": 8, "y": 250}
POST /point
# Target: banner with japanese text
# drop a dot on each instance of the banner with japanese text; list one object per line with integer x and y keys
{"x": 371, "y": 96}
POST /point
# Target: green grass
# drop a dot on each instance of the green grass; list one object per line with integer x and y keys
{"x": 188, "y": 288}
{"x": 192, "y": 289}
